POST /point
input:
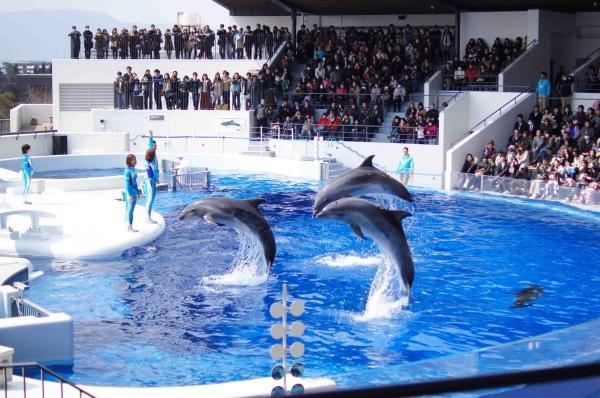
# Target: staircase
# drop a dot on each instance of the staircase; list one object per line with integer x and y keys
{"x": 258, "y": 148}
{"x": 331, "y": 169}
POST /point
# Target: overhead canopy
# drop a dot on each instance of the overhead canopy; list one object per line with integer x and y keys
{"x": 375, "y": 7}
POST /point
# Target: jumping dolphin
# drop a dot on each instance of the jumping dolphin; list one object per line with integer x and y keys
{"x": 363, "y": 180}
{"x": 524, "y": 296}
{"x": 384, "y": 226}
{"x": 239, "y": 214}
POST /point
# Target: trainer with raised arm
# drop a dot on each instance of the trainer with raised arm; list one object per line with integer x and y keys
{"x": 405, "y": 166}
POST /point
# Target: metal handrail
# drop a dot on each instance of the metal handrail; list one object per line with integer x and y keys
{"x": 4, "y": 367}
{"x": 586, "y": 59}
{"x": 360, "y": 155}
{"x": 484, "y": 121}
{"x": 474, "y": 383}
{"x": 453, "y": 98}
{"x": 277, "y": 53}
{"x": 34, "y": 133}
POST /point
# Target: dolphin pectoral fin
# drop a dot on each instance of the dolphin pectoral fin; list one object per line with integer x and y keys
{"x": 255, "y": 202}
{"x": 357, "y": 231}
{"x": 209, "y": 219}
{"x": 368, "y": 162}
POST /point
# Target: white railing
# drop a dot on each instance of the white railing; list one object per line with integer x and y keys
{"x": 532, "y": 189}
{"x": 24, "y": 307}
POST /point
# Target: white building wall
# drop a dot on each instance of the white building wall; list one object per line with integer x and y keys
{"x": 21, "y": 115}
{"x": 489, "y": 25}
{"x": 190, "y": 122}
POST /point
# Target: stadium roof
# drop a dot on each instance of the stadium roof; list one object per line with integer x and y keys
{"x": 374, "y": 7}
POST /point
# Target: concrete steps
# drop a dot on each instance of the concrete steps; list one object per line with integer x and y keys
{"x": 258, "y": 148}
{"x": 332, "y": 169}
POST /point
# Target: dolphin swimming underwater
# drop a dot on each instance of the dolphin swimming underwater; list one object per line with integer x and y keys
{"x": 525, "y": 296}
{"x": 241, "y": 215}
{"x": 384, "y": 226}
{"x": 364, "y": 180}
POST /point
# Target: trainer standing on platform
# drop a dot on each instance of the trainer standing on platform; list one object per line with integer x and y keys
{"x": 405, "y": 166}
{"x": 75, "y": 36}
{"x": 27, "y": 171}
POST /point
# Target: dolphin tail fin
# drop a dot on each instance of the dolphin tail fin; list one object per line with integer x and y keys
{"x": 399, "y": 214}
{"x": 255, "y": 202}
{"x": 368, "y": 162}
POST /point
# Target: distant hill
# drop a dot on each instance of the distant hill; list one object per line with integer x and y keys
{"x": 42, "y": 35}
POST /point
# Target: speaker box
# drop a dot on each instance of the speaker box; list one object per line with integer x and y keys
{"x": 138, "y": 102}
{"x": 59, "y": 145}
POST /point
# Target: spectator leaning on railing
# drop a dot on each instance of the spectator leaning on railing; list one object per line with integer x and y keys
{"x": 563, "y": 153}
{"x": 223, "y": 92}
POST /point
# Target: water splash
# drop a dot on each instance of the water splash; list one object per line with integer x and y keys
{"x": 345, "y": 261}
{"x": 387, "y": 295}
{"x": 249, "y": 265}
{"x": 391, "y": 202}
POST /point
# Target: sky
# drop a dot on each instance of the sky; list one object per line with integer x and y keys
{"x": 139, "y": 11}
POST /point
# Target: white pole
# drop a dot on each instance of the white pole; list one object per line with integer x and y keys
{"x": 284, "y": 342}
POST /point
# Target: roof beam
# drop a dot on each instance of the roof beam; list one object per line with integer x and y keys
{"x": 282, "y": 5}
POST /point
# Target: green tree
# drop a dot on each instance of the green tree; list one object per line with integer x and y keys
{"x": 7, "y": 102}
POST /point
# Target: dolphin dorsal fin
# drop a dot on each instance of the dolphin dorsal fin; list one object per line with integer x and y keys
{"x": 399, "y": 214}
{"x": 255, "y": 202}
{"x": 368, "y": 162}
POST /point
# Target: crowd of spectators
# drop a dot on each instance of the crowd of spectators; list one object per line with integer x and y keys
{"x": 350, "y": 64}
{"x": 550, "y": 149}
{"x": 181, "y": 42}
{"x": 480, "y": 66}
{"x": 419, "y": 125}
{"x": 358, "y": 74}
{"x": 223, "y": 91}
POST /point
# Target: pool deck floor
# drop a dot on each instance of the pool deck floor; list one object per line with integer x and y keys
{"x": 88, "y": 225}
{"x": 238, "y": 389}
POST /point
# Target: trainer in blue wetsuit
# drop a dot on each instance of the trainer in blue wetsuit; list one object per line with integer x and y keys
{"x": 27, "y": 171}
{"x": 152, "y": 178}
{"x": 131, "y": 190}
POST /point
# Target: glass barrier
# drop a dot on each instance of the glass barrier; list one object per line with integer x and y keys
{"x": 470, "y": 83}
{"x": 574, "y": 345}
{"x": 532, "y": 189}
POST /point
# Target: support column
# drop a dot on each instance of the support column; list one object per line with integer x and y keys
{"x": 294, "y": 15}
{"x": 457, "y": 32}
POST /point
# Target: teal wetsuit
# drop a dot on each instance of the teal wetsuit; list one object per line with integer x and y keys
{"x": 153, "y": 177}
{"x": 131, "y": 191}
{"x": 27, "y": 173}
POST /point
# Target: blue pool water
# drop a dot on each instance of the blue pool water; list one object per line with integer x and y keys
{"x": 80, "y": 173}
{"x": 148, "y": 319}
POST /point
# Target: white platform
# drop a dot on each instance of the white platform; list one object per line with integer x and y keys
{"x": 10, "y": 266}
{"x": 93, "y": 226}
{"x": 238, "y": 389}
